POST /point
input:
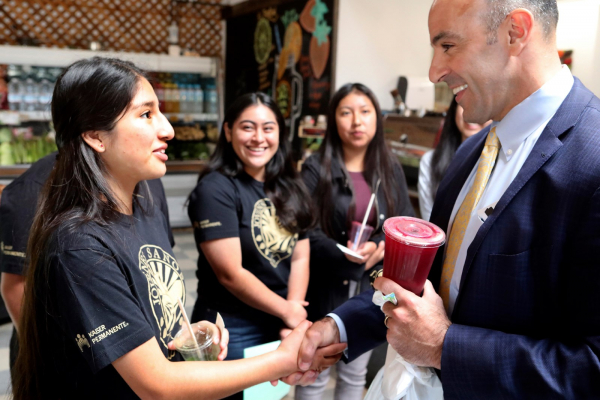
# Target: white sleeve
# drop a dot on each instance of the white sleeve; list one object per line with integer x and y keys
{"x": 342, "y": 328}
{"x": 424, "y": 186}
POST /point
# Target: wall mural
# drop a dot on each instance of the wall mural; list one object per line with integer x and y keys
{"x": 284, "y": 51}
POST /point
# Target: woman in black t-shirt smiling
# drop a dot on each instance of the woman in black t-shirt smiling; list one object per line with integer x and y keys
{"x": 102, "y": 287}
{"x": 250, "y": 212}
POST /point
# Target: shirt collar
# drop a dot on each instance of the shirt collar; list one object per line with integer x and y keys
{"x": 526, "y": 117}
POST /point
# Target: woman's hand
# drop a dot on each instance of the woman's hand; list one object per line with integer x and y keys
{"x": 220, "y": 338}
{"x": 315, "y": 345}
{"x": 290, "y": 346}
{"x": 284, "y": 332}
{"x": 376, "y": 257}
{"x": 366, "y": 250}
{"x": 295, "y": 313}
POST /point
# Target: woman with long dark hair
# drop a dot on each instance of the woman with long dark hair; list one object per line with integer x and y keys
{"x": 102, "y": 286}
{"x": 249, "y": 212}
{"x": 353, "y": 162}
{"x": 435, "y": 162}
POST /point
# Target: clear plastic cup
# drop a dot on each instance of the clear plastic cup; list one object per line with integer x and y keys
{"x": 206, "y": 349}
{"x": 410, "y": 248}
{"x": 355, "y": 230}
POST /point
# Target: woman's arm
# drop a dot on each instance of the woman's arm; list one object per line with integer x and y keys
{"x": 150, "y": 375}
{"x": 225, "y": 258}
{"x": 12, "y": 287}
{"x": 299, "y": 272}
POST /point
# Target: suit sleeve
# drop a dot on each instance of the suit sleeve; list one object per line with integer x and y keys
{"x": 363, "y": 321}
{"x": 323, "y": 249}
{"x": 489, "y": 364}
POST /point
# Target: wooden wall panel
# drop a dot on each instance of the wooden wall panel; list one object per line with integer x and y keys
{"x": 138, "y": 26}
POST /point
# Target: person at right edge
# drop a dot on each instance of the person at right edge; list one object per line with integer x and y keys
{"x": 353, "y": 162}
{"x": 518, "y": 315}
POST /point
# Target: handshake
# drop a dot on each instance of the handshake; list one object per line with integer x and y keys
{"x": 415, "y": 327}
{"x": 309, "y": 349}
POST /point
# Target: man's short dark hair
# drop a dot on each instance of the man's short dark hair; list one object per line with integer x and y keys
{"x": 544, "y": 11}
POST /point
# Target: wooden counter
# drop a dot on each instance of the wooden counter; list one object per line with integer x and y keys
{"x": 173, "y": 167}
{"x": 419, "y": 131}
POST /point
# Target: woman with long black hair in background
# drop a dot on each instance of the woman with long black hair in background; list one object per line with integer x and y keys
{"x": 250, "y": 213}
{"x": 353, "y": 162}
{"x": 435, "y": 162}
{"x": 102, "y": 286}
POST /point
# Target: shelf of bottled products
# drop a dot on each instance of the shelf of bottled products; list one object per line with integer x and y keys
{"x": 185, "y": 86}
{"x": 8, "y": 117}
{"x": 52, "y": 57}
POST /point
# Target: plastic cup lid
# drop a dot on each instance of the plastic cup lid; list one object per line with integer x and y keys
{"x": 414, "y": 232}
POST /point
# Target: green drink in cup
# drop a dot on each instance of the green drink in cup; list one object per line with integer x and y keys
{"x": 202, "y": 349}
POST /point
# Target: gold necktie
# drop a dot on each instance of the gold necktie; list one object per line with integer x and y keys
{"x": 461, "y": 220}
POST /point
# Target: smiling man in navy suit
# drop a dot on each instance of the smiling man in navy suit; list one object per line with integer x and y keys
{"x": 520, "y": 316}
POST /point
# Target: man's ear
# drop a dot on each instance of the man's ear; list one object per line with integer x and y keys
{"x": 520, "y": 28}
{"x": 227, "y": 132}
{"x": 94, "y": 140}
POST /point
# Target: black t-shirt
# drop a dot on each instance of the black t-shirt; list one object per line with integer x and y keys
{"x": 224, "y": 207}
{"x": 111, "y": 290}
{"x": 17, "y": 210}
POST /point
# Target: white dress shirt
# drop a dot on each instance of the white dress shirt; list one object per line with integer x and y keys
{"x": 424, "y": 186}
{"x": 518, "y": 132}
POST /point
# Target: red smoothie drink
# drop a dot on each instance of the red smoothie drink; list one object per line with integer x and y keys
{"x": 410, "y": 248}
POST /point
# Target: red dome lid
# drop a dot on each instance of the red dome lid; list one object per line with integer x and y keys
{"x": 414, "y": 232}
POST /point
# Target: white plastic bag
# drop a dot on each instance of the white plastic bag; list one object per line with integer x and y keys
{"x": 399, "y": 379}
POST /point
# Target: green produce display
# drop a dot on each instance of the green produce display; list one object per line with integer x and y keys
{"x": 25, "y": 151}
{"x": 25, "y": 144}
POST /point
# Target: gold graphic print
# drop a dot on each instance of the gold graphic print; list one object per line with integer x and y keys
{"x": 165, "y": 286}
{"x": 272, "y": 240}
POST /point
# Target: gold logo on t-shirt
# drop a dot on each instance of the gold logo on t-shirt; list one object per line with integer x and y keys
{"x": 165, "y": 285}
{"x": 82, "y": 342}
{"x": 272, "y": 240}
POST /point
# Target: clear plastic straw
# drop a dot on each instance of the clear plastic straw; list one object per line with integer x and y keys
{"x": 364, "y": 223}
{"x": 189, "y": 326}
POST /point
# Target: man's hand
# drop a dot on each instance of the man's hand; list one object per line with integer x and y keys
{"x": 320, "y": 349}
{"x": 417, "y": 326}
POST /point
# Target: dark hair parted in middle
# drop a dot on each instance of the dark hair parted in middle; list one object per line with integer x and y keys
{"x": 91, "y": 95}
{"x": 282, "y": 185}
{"x": 379, "y": 162}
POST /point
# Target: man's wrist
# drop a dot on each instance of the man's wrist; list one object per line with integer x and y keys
{"x": 334, "y": 327}
{"x": 439, "y": 351}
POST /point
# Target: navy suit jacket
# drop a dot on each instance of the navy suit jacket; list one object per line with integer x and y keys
{"x": 526, "y": 323}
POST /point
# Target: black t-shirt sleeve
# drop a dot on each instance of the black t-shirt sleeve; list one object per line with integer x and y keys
{"x": 95, "y": 305}
{"x": 17, "y": 210}
{"x": 213, "y": 208}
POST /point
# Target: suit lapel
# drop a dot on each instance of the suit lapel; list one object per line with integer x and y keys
{"x": 547, "y": 145}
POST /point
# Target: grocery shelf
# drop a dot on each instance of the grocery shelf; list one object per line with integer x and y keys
{"x": 13, "y": 171}
{"x": 173, "y": 167}
{"x": 16, "y": 117}
{"x": 54, "y": 57}
{"x": 186, "y": 117}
